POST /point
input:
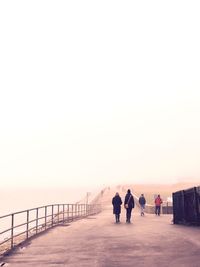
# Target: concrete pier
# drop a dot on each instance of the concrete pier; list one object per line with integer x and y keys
{"x": 97, "y": 241}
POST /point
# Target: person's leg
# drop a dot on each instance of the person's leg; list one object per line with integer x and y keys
{"x": 126, "y": 215}
{"x": 158, "y": 210}
{"x": 130, "y": 215}
{"x": 116, "y": 218}
{"x": 142, "y": 210}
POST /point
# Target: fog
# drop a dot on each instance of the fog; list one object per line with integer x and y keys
{"x": 99, "y": 93}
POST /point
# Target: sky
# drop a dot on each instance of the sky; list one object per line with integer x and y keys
{"x": 99, "y": 92}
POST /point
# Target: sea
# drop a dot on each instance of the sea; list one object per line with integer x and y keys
{"x": 21, "y": 198}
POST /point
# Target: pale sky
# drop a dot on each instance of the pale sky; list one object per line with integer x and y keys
{"x": 99, "y": 92}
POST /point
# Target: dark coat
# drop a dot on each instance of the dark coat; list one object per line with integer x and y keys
{"x": 131, "y": 203}
{"x": 116, "y": 201}
{"x": 142, "y": 200}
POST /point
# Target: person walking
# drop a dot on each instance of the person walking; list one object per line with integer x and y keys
{"x": 129, "y": 204}
{"x": 117, "y": 202}
{"x": 158, "y": 202}
{"x": 142, "y": 202}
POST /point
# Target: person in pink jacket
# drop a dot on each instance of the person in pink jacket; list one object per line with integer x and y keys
{"x": 158, "y": 202}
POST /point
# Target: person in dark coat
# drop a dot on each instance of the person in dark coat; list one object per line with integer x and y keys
{"x": 129, "y": 204}
{"x": 142, "y": 202}
{"x": 116, "y": 201}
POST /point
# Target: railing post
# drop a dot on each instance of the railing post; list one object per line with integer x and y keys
{"x": 36, "y": 220}
{"x": 52, "y": 217}
{"x": 27, "y": 224}
{"x": 12, "y": 230}
{"x": 45, "y": 217}
{"x": 88, "y": 209}
{"x": 68, "y": 212}
{"x": 58, "y": 213}
{"x": 63, "y": 213}
{"x": 72, "y": 212}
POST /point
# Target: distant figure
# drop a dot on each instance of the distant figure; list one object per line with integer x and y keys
{"x": 158, "y": 202}
{"x": 142, "y": 202}
{"x": 116, "y": 201}
{"x": 129, "y": 204}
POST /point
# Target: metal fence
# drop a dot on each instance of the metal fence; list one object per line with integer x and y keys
{"x": 17, "y": 227}
{"x": 186, "y": 206}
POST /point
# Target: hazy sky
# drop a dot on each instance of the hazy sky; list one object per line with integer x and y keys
{"x": 99, "y": 92}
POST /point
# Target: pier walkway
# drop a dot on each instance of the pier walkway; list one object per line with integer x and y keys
{"x": 97, "y": 241}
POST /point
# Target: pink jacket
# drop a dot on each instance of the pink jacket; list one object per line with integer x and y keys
{"x": 158, "y": 201}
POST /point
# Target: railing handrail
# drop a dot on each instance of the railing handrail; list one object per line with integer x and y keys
{"x": 40, "y": 207}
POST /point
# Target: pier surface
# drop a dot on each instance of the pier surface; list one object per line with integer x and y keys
{"x": 97, "y": 241}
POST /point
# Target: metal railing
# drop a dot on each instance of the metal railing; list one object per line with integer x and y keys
{"x": 17, "y": 227}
